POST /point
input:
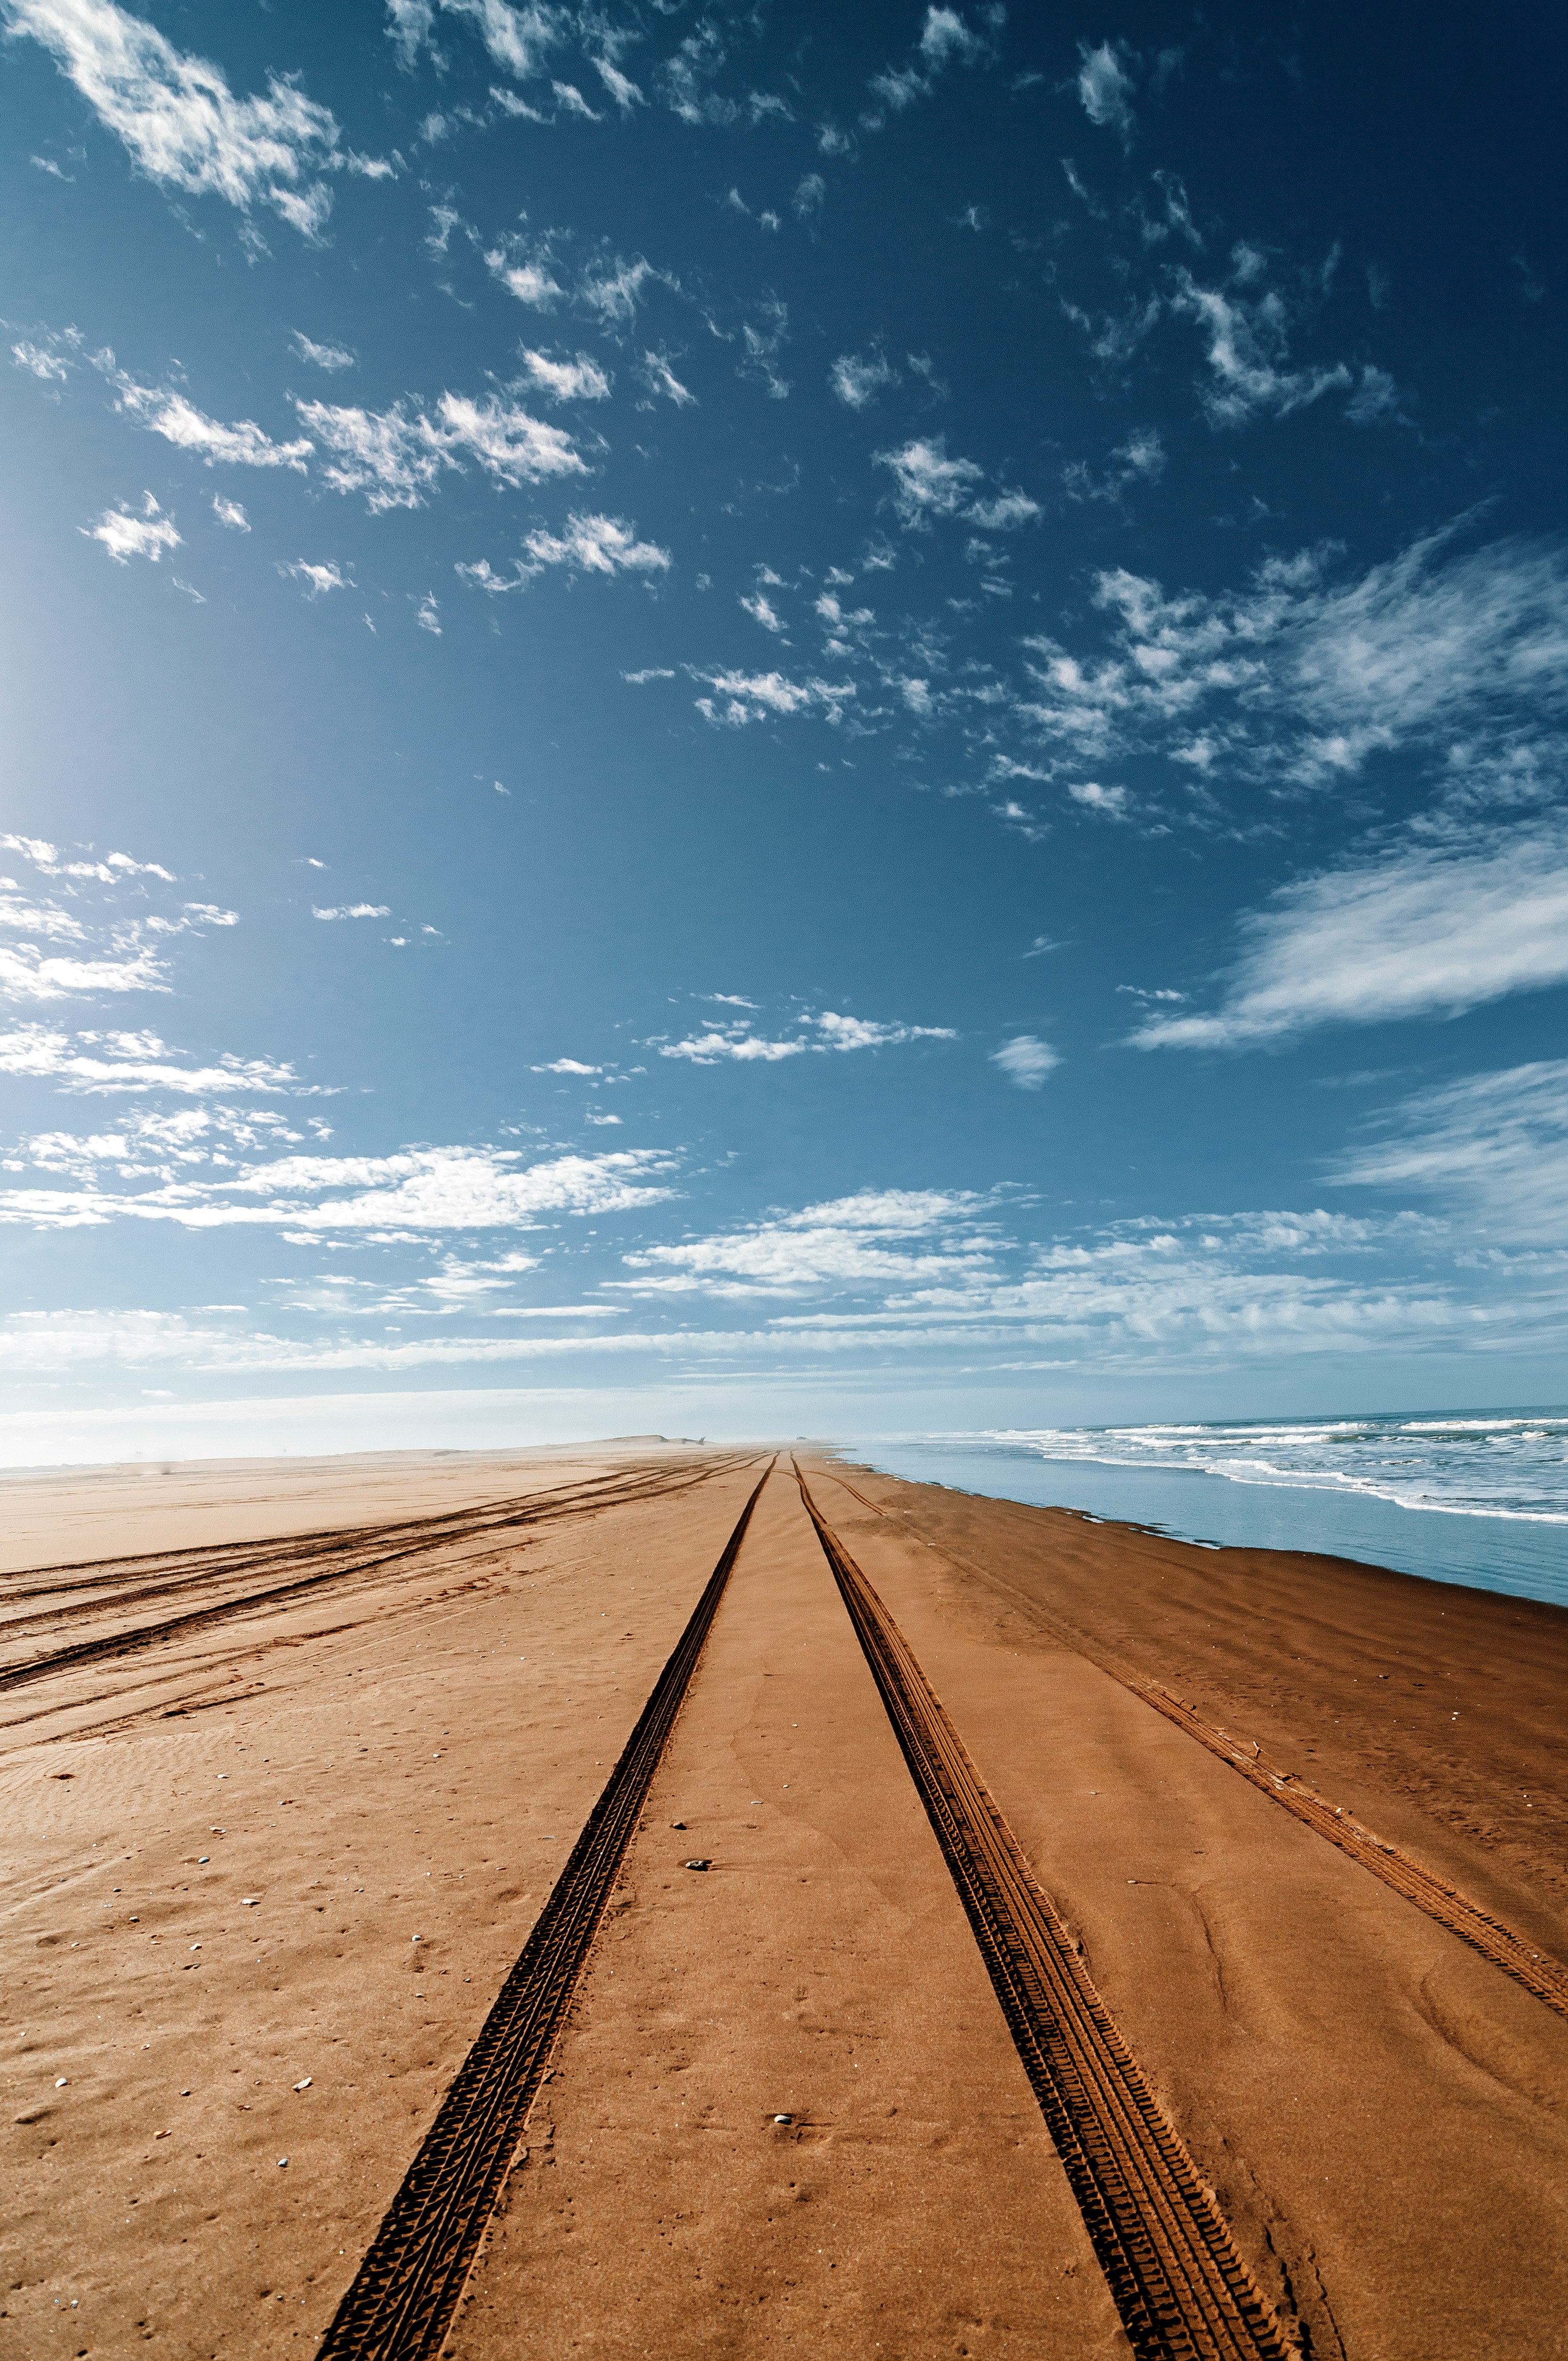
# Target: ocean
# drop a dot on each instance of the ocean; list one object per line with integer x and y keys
{"x": 1476, "y": 1496}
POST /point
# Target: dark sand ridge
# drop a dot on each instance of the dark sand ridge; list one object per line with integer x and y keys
{"x": 1336, "y": 2073}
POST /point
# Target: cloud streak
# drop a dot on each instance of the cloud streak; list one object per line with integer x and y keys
{"x": 1426, "y": 931}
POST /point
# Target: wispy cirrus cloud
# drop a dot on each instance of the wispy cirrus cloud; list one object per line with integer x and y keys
{"x": 179, "y": 120}
{"x": 1301, "y": 676}
{"x": 1492, "y": 1147}
{"x": 1105, "y": 86}
{"x": 318, "y": 576}
{"x": 945, "y": 39}
{"x": 408, "y": 1195}
{"x": 576, "y": 379}
{"x": 127, "y": 533}
{"x": 395, "y": 456}
{"x": 857, "y": 378}
{"x": 243, "y": 445}
{"x": 1026, "y": 1061}
{"x": 735, "y": 1042}
{"x": 587, "y": 544}
{"x": 872, "y": 1242}
{"x": 331, "y": 358}
{"x": 926, "y": 482}
{"x": 1251, "y": 374}
{"x": 1431, "y": 929}
{"x": 740, "y": 697}
{"x": 114, "y": 1064}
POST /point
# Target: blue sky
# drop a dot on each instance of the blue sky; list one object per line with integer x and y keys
{"x": 795, "y": 718}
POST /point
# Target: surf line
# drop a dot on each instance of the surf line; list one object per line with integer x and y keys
{"x": 1524, "y": 1962}
{"x": 1168, "y": 2254}
{"x": 407, "y": 2288}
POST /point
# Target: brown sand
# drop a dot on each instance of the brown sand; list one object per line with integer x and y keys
{"x": 412, "y": 1747}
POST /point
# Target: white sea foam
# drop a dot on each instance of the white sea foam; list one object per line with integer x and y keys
{"x": 1474, "y": 1463}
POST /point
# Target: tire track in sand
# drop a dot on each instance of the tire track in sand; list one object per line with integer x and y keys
{"x": 345, "y": 1556}
{"x": 406, "y": 2288}
{"x": 1524, "y": 1962}
{"x": 1179, "y": 2283}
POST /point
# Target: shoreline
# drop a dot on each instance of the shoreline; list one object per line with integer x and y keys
{"x": 1471, "y": 1548}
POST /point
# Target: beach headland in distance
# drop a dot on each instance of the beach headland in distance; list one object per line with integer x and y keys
{"x": 296, "y": 1753}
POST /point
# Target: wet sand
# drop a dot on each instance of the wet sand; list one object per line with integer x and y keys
{"x": 224, "y": 1838}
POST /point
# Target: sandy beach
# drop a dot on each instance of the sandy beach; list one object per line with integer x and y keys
{"x": 1145, "y": 1893}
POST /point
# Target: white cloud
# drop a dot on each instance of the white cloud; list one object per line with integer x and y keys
{"x": 394, "y": 456}
{"x": 857, "y": 381}
{"x": 877, "y": 1239}
{"x": 1140, "y": 459}
{"x": 354, "y": 910}
{"x": 659, "y": 378}
{"x": 113, "y": 869}
{"x": 428, "y": 618}
{"x": 625, "y": 93}
{"x": 1248, "y": 356}
{"x": 762, "y": 610}
{"x": 1376, "y": 397}
{"x": 1105, "y": 87}
{"x": 570, "y": 100}
{"x": 737, "y": 1044}
{"x": 1111, "y": 803}
{"x": 27, "y": 973}
{"x": 810, "y": 196}
{"x": 230, "y": 513}
{"x": 589, "y": 545}
{"x": 761, "y": 342}
{"x": 110, "y": 1064}
{"x": 742, "y": 1048}
{"x": 42, "y": 361}
{"x": 512, "y": 447}
{"x": 1428, "y": 931}
{"x": 518, "y": 38}
{"x": 616, "y": 292}
{"x": 331, "y": 358}
{"x": 1005, "y": 513}
{"x": 1026, "y": 1060}
{"x": 927, "y": 482}
{"x": 126, "y": 534}
{"x": 391, "y": 458}
{"x": 416, "y": 1191}
{"x": 859, "y": 1033}
{"x": 1298, "y": 677}
{"x": 1493, "y": 1145}
{"x": 598, "y": 545}
{"x": 581, "y": 379}
{"x": 567, "y": 1066}
{"x": 944, "y": 37}
{"x": 178, "y": 118}
{"x": 318, "y": 580}
{"x": 530, "y": 281}
{"x": 742, "y": 698}
{"x": 244, "y": 444}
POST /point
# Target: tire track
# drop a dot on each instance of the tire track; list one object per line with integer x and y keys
{"x": 406, "y": 2288}
{"x": 208, "y": 1561}
{"x": 1181, "y": 2288}
{"x": 1525, "y": 1962}
{"x": 355, "y": 1557}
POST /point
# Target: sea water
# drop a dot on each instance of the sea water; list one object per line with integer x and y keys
{"x": 1476, "y": 1496}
